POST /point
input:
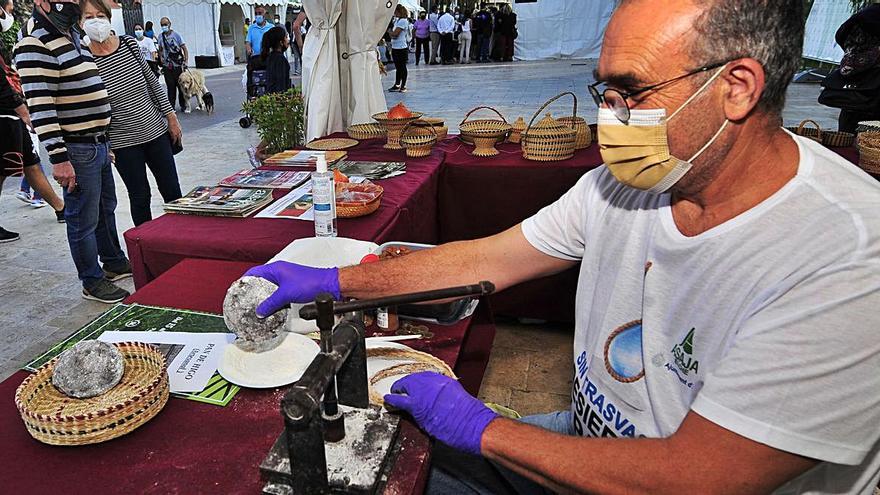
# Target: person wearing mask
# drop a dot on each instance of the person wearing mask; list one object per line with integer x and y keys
{"x": 433, "y": 17}
{"x": 9, "y": 28}
{"x": 422, "y": 30}
{"x": 723, "y": 263}
{"x": 173, "y": 56}
{"x": 446, "y": 27}
{"x": 70, "y": 111}
{"x": 483, "y": 25}
{"x": 464, "y": 40}
{"x": 142, "y": 123}
{"x": 148, "y": 30}
{"x": 260, "y": 26}
{"x": 277, "y": 21}
{"x": 275, "y": 44}
{"x": 399, "y": 48}
{"x": 148, "y": 49}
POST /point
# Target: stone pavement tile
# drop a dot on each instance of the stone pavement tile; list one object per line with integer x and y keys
{"x": 538, "y": 338}
{"x": 550, "y": 372}
{"x": 495, "y": 394}
{"x": 508, "y": 367}
{"x": 531, "y": 402}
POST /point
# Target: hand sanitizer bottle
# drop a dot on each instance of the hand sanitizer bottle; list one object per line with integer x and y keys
{"x": 324, "y": 199}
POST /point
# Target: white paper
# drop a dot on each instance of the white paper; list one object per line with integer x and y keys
{"x": 194, "y": 357}
{"x": 297, "y": 204}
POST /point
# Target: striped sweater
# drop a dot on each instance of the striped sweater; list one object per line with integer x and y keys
{"x": 65, "y": 94}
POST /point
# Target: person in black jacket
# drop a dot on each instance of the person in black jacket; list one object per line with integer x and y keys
{"x": 859, "y": 37}
{"x": 275, "y": 44}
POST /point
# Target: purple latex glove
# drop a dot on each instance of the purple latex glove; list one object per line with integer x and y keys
{"x": 296, "y": 284}
{"x": 443, "y": 409}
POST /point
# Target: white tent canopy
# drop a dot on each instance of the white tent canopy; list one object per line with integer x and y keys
{"x": 554, "y": 29}
{"x": 198, "y": 21}
{"x": 321, "y": 88}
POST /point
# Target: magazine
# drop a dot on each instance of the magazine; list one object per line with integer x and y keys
{"x": 296, "y": 204}
{"x": 138, "y": 318}
{"x": 274, "y": 179}
{"x": 304, "y": 158}
{"x": 372, "y": 170}
{"x": 220, "y": 201}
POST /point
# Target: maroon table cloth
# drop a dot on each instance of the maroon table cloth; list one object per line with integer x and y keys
{"x": 408, "y": 212}
{"x": 190, "y": 447}
{"x": 484, "y": 196}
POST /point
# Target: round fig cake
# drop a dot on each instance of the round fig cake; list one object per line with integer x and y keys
{"x": 239, "y": 311}
{"x": 88, "y": 369}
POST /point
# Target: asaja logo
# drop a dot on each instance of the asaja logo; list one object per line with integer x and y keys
{"x": 683, "y": 353}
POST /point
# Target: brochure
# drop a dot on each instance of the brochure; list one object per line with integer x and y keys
{"x": 372, "y": 170}
{"x": 296, "y": 204}
{"x": 303, "y": 158}
{"x": 273, "y": 179}
{"x": 220, "y": 201}
{"x": 136, "y": 317}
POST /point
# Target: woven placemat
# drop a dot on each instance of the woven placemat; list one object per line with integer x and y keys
{"x": 331, "y": 144}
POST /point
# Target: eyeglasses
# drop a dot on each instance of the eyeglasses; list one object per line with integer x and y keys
{"x": 616, "y": 100}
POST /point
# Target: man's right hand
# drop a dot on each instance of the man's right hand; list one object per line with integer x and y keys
{"x": 65, "y": 175}
{"x": 296, "y": 284}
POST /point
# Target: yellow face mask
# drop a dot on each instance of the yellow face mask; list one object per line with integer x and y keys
{"x": 637, "y": 153}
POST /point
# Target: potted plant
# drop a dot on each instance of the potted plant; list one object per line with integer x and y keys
{"x": 279, "y": 120}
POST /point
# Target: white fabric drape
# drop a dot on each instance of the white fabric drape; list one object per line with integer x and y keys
{"x": 554, "y": 29}
{"x": 321, "y": 80}
{"x": 362, "y": 24}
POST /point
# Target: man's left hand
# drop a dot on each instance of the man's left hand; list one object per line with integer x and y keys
{"x": 442, "y": 408}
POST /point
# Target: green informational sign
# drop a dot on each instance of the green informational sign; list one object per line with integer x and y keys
{"x": 136, "y": 317}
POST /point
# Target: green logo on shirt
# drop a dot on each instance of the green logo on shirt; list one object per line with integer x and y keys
{"x": 684, "y": 355}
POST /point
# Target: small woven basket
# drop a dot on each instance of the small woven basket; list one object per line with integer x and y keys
{"x": 549, "y": 140}
{"x": 363, "y": 132}
{"x": 583, "y": 136}
{"x": 56, "y": 419}
{"x": 516, "y": 132}
{"x": 838, "y": 139}
{"x": 418, "y": 140}
{"x": 814, "y": 133}
{"x": 869, "y": 151}
{"x": 439, "y": 126}
{"x": 484, "y": 133}
{"x": 360, "y": 210}
{"x": 394, "y": 127}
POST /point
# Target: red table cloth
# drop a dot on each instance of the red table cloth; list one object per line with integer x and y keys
{"x": 190, "y": 447}
{"x": 408, "y": 213}
{"x": 484, "y": 196}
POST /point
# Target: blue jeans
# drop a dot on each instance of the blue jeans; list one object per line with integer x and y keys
{"x": 485, "y": 42}
{"x": 132, "y": 163}
{"x": 455, "y": 473}
{"x": 89, "y": 213}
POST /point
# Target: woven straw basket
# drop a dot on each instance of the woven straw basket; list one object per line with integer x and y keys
{"x": 360, "y": 210}
{"x": 583, "y": 136}
{"x": 516, "y": 132}
{"x": 484, "y": 133}
{"x": 418, "y": 140}
{"x": 869, "y": 151}
{"x": 56, "y": 419}
{"x": 834, "y": 139}
{"x": 362, "y": 132}
{"x": 394, "y": 127}
{"x": 549, "y": 140}
{"x": 439, "y": 126}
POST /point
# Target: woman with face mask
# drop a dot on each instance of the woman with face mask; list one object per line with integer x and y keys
{"x": 143, "y": 125}
{"x": 148, "y": 49}
{"x": 9, "y": 28}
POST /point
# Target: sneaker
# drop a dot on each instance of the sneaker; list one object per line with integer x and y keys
{"x": 24, "y": 197}
{"x": 106, "y": 292}
{"x": 7, "y": 236}
{"x": 59, "y": 216}
{"x": 118, "y": 274}
{"x": 402, "y": 90}
{"x": 38, "y": 203}
{"x": 394, "y": 89}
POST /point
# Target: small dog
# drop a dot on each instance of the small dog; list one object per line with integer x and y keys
{"x": 192, "y": 83}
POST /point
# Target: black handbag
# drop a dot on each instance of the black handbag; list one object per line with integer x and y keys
{"x": 858, "y": 93}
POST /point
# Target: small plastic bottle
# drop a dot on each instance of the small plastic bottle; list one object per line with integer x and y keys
{"x": 386, "y": 319}
{"x": 324, "y": 199}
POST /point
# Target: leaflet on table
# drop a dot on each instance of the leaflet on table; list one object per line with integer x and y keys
{"x": 371, "y": 170}
{"x": 192, "y": 358}
{"x": 135, "y": 317}
{"x": 303, "y": 158}
{"x": 296, "y": 204}
{"x": 274, "y": 179}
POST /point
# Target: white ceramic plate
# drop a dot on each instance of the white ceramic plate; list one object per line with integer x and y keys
{"x": 280, "y": 366}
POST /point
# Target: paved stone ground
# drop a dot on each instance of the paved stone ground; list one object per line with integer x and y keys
{"x": 530, "y": 369}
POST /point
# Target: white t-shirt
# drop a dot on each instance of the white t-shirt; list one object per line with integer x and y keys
{"x": 767, "y": 325}
{"x": 399, "y": 42}
{"x": 148, "y": 47}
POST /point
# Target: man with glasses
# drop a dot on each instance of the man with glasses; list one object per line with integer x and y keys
{"x": 726, "y": 326}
